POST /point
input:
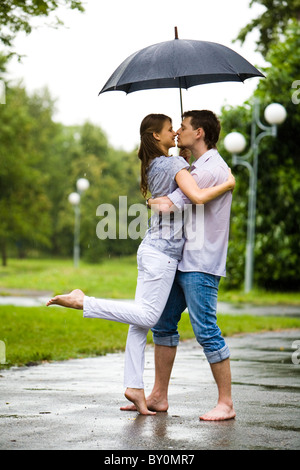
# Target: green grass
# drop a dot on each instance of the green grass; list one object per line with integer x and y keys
{"x": 42, "y": 333}
{"x": 36, "y": 334}
{"x": 112, "y": 278}
{"x": 259, "y": 297}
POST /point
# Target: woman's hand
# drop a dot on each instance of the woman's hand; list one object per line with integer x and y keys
{"x": 231, "y": 180}
{"x": 186, "y": 154}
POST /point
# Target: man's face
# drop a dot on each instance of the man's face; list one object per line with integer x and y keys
{"x": 186, "y": 134}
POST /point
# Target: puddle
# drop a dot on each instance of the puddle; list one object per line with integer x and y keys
{"x": 282, "y": 405}
{"x": 13, "y": 416}
{"x": 282, "y": 427}
{"x": 286, "y": 388}
{"x": 276, "y": 427}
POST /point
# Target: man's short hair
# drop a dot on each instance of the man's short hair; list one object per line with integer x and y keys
{"x": 209, "y": 123}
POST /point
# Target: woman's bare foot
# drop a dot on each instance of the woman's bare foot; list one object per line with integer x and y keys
{"x": 137, "y": 396}
{"x": 72, "y": 300}
{"x": 152, "y": 403}
{"x": 220, "y": 413}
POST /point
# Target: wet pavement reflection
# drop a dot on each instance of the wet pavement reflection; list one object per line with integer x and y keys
{"x": 75, "y": 404}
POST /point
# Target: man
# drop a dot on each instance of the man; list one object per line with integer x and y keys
{"x": 197, "y": 279}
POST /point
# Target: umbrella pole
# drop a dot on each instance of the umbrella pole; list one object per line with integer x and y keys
{"x": 180, "y": 94}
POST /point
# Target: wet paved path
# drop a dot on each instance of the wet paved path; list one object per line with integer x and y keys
{"x": 23, "y": 298}
{"x": 75, "y": 404}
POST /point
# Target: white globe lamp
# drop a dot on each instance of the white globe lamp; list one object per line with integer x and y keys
{"x": 74, "y": 199}
{"x": 275, "y": 114}
{"x": 235, "y": 142}
{"x": 82, "y": 184}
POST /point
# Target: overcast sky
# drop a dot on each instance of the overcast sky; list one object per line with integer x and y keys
{"x": 76, "y": 60}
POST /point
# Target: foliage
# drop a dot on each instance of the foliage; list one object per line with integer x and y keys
{"x": 272, "y": 23}
{"x": 17, "y": 15}
{"x": 111, "y": 173}
{"x": 41, "y": 161}
{"x": 277, "y": 247}
{"x": 23, "y": 199}
{"x": 278, "y": 244}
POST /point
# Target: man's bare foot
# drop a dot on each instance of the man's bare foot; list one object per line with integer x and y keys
{"x": 153, "y": 403}
{"x": 72, "y": 300}
{"x": 220, "y": 413}
{"x": 137, "y": 396}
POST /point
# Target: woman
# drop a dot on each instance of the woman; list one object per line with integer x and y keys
{"x": 157, "y": 256}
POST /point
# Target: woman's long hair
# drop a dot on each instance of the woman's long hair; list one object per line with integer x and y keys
{"x": 149, "y": 146}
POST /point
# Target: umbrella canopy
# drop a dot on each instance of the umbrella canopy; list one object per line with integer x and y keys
{"x": 179, "y": 64}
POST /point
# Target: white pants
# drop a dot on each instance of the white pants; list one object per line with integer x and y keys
{"x": 156, "y": 272}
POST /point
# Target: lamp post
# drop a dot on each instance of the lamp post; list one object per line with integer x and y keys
{"x": 235, "y": 143}
{"x": 74, "y": 198}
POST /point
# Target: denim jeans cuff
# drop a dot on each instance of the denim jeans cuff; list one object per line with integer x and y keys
{"x": 218, "y": 356}
{"x": 166, "y": 340}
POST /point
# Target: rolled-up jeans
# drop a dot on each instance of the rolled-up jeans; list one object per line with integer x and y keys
{"x": 156, "y": 272}
{"x": 198, "y": 291}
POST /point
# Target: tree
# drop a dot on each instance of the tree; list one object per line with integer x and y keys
{"x": 111, "y": 173}
{"x": 24, "y": 205}
{"x": 17, "y": 15}
{"x": 40, "y": 162}
{"x": 277, "y": 247}
{"x": 272, "y": 23}
{"x": 278, "y": 225}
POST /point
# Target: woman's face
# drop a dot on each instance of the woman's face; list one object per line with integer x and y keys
{"x": 166, "y": 137}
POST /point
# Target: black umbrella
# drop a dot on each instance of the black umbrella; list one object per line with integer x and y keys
{"x": 179, "y": 64}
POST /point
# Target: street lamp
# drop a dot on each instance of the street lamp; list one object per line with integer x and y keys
{"x": 235, "y": 143}
{"x": 74, "y": 198}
